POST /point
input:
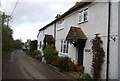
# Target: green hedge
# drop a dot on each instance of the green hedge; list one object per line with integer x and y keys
{"x": 50, "y": 53}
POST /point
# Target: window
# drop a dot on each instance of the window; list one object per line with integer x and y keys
{"x": 64, "y": 46}
{"x": 40, "y": 45}
{"x": 83, "y": 15}
{"x": 60, "y": 21}
{"x": 61, "y": 24}
{"x": 86, "y": 14}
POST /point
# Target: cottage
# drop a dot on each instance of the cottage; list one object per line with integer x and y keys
{"x": 73, "y": 31}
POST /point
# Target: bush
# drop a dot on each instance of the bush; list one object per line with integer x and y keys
{"x": 36, "y": 53}
{"x": 63, "y": 63}
{"x": 72, "y": 66}
{"x": 33, "y": 45}
{"x": 38, "y": 57}
{"x": 50, "y": 53}
{"x": 84, "y": 77}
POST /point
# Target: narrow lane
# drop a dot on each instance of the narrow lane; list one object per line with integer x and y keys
{"x": 21, "y": 66}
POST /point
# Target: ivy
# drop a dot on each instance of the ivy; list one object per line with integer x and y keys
{"x": 98, "y": 57}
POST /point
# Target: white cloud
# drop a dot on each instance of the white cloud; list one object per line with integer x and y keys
{"x": 30, "y": 15}
{"x": 25, "y": 33}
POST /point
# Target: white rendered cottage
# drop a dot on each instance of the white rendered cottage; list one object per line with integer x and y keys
{"x": 79, "y": 25}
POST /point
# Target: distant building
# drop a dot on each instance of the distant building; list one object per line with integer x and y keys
{"x": 28, "y": 43}
{"x": 74, "y": 30}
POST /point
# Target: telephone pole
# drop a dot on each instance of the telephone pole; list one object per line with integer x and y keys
{"x": 3, "y": 19}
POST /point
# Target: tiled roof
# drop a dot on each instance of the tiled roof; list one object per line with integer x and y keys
{"x": 77, "y": 6}
{"x": 75, "y": 34}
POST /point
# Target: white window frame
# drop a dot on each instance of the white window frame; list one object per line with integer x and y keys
{"x": 64, "y": 47}
{"x": 82, "y": 13}
{"x": 61, "y": 24}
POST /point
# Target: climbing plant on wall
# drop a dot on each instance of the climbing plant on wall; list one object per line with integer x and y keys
{"x": 98, "y": 56}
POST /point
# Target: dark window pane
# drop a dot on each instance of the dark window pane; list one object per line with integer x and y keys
{"x": 40, "y": 45}
{"x": 64, "y": 49}
{"x": 61, "y": 45}
{"x": 86, "y": 15}
{"x": 67, "y": 47}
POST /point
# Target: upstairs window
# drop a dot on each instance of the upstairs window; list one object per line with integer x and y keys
{"x": 64, "y": 46}
{"x": 86, "y": 14}
{"x": 61, "y": 24}
{"x": 83, "y": 15}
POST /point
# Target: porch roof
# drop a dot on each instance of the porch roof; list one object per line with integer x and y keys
{"x": 76, "y": 34}
{"x": 48, "y": 38}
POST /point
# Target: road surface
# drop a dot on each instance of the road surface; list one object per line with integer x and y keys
{"x": 21, "y": 66}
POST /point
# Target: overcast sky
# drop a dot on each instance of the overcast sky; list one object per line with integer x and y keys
{"x": 30, "y": 15}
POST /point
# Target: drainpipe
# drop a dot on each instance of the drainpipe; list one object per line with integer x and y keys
{"x": 55, "y": 32}
{"x": 108, "y": 41}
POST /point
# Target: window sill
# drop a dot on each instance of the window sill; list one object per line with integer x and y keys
{"x": 60, "y": 29}
{"x": 82, "y": 22}
{"x": 63, "y": 54}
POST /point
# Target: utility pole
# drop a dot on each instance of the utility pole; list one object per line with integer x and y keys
{"x": 3, "y": 19}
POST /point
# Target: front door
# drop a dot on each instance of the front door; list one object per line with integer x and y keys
{"x": 80, "y": 46}
{"x": 80, "y": 55}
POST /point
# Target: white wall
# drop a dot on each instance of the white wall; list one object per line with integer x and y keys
{"x": 113, "y": 69}
{"x": 49, "y": 31}
{"x": 97, "y": 23}
{"x": 40, "y": 38}
{"x": 119, "y": 41}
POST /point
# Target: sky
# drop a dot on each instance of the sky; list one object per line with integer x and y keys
{"x": 31, "y": 15}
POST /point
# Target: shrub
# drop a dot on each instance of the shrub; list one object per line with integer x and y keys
{"x": 38, "y": 57}
{"x": 84, "y": 77}
{"x": 63, "y": 63}
{"x": 36, "y": 53}
{"x": 55, "y": 61}
{"x": 50, "y": 53}
{"x": 98, "y": 57}
{"x": 33, "y": 45}
{"x": 72, "y": 66}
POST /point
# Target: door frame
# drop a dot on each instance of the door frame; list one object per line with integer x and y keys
{"x": 80, "y": 45}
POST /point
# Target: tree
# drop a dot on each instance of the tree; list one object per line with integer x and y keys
{"x": 17, "y": 44}
{"x": 98, "y": 57}
{"x": 50, "y": 53}
{"x": 7, "y": 39}
{"x": 33, "y": 45}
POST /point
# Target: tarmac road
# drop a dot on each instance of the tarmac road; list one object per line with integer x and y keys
{"x": 21, "y": 66}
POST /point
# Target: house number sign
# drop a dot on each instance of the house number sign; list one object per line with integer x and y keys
{"x": 87, "y": 50}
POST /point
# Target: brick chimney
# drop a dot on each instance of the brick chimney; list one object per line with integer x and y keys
{"x": 58, "y": 15}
